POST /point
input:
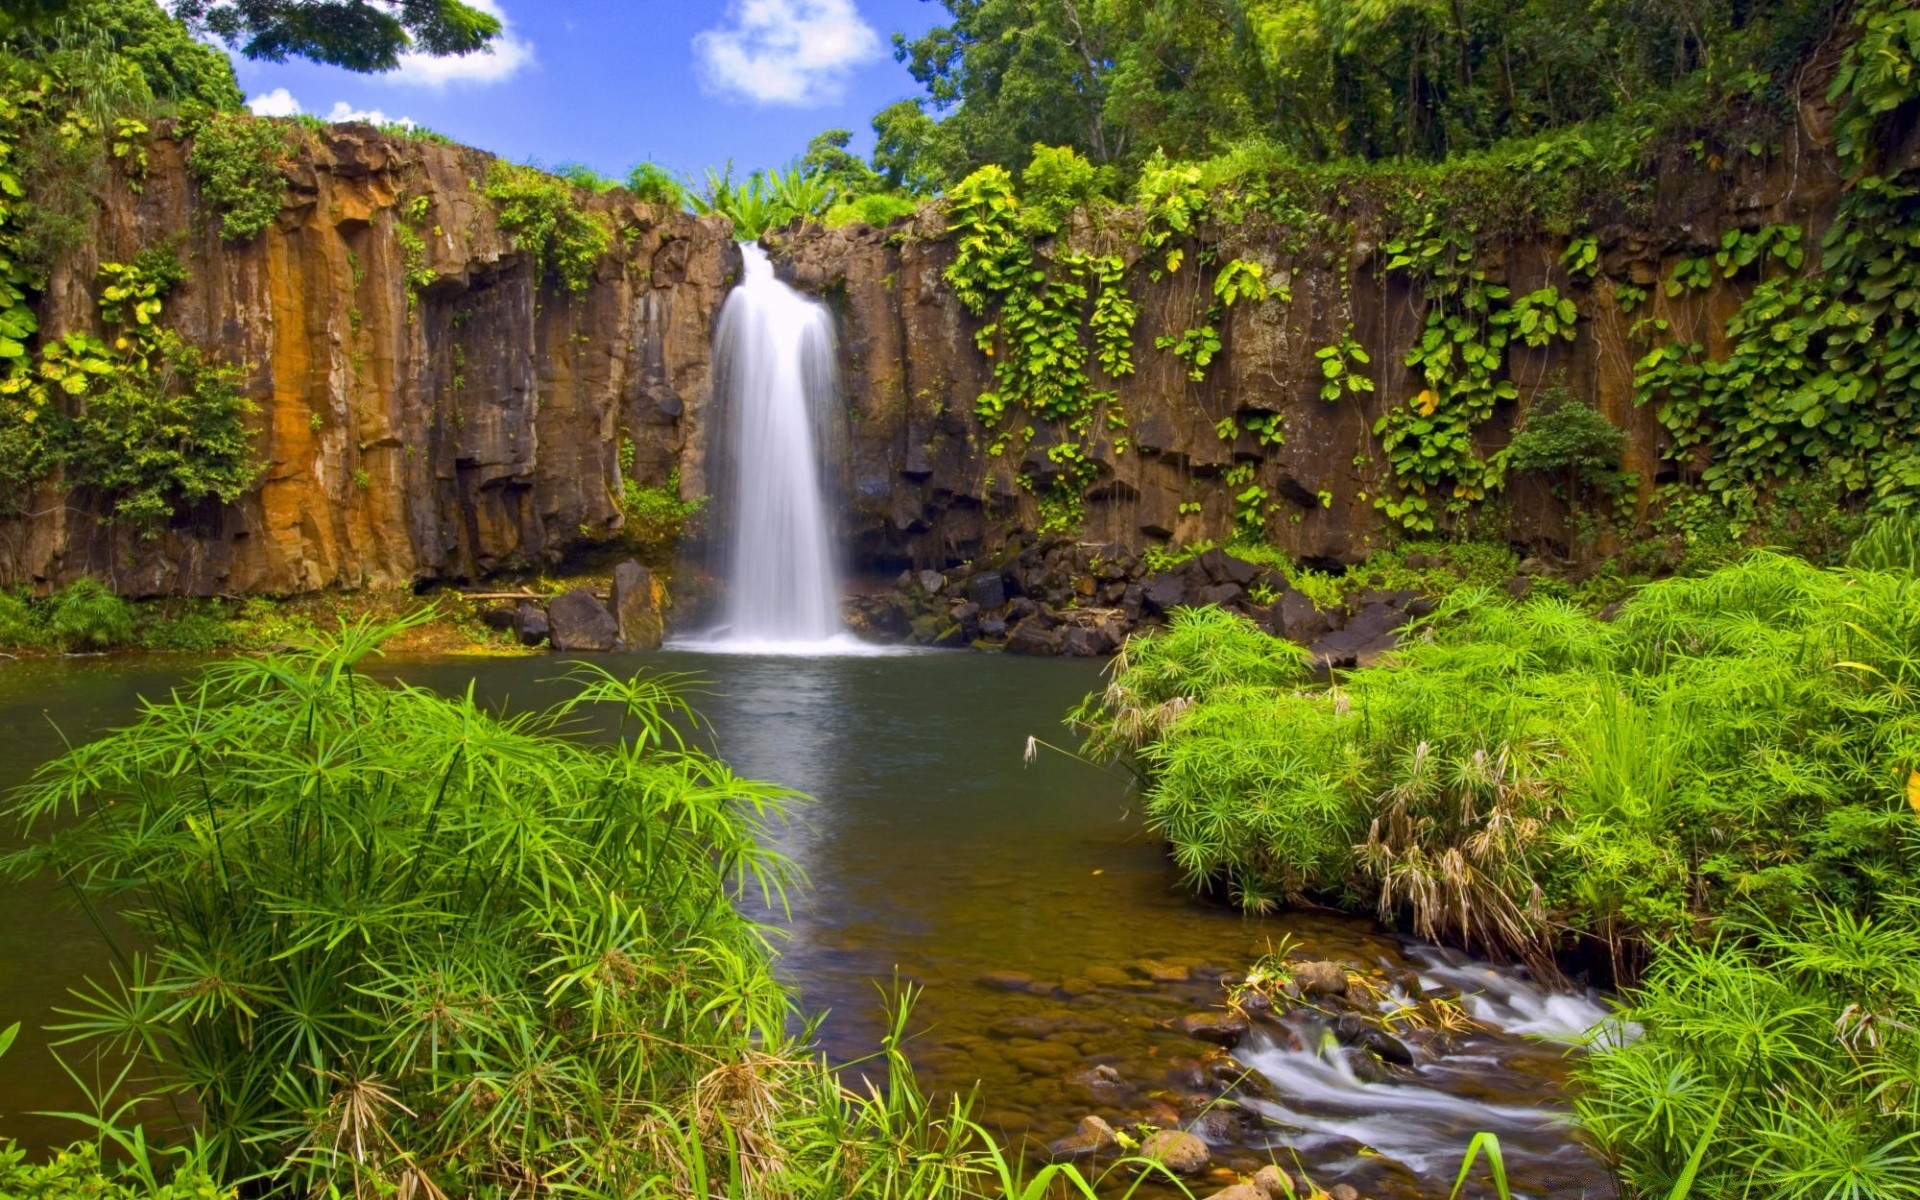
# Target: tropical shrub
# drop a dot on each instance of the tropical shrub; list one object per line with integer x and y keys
{"x": 236, "y": 157}
{"x": 395, "y": 941}
{"x": 86, "y": 615}
{"x": 1527, "y": 773}
{"x": 1776, "y": 1060}
{"x": 564, "y": 241}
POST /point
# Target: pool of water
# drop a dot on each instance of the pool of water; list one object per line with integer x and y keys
{"x": 1054, "y": 945}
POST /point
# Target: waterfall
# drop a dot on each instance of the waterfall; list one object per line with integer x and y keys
{"x": 776, "y": 384}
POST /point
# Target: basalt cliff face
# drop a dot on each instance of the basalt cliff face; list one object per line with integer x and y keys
{"x": 926, "y": 491}
{"x": 469, "y": 425}
{"x": 474, "y": 424}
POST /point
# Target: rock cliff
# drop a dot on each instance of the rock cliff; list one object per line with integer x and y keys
{"x": 473, "y": 423}
{"x": 435, "y": 433}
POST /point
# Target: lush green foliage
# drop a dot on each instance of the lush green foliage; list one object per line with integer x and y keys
{"x": 1720, "y": 788}
{"x": 1822, "y": 376}
{"x": 129, "y": 53}
{"x": 564, "y": 241}
{"x": 354, "y": 34}
{"x": 237, "y": 158}
{"x": 147, "y": 421}
{"x": 654, "y": 184}
{"x": 1322, "y": 79}
{"x": 1529, "y": 772}
{"x": 1786, "y": 1048}
{"x": 86, "y": 615}
{"x": 1575, "y": 446}
{"x": 654, "y": 519}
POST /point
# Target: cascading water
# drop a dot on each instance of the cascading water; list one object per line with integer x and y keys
{"x": 777, "y": 383}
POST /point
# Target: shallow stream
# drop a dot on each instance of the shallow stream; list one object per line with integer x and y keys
{"x": 1054, "y": 944}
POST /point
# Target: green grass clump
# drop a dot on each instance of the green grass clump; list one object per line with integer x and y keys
{"x": 1528, "y": 773}
{"x": 86, "y": 615}
{"x": 391, "y": 942}
{"x": 1717, "y": 792}
{"x": 22, "y": 623}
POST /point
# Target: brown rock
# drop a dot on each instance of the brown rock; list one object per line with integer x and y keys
{"x": 579, "y": 621}
{"x": 1220, "y": 1028}
{"x": 1344, "y": 1191}
{"x": 1321, "y": 978}
{"x": 1275, "y": 1184}
{"x": 639, "y": 606}
{"x": 1181, "y": 1153}
{"x": 1093, "y": 1136}
{"x": 1239, "y": 1191}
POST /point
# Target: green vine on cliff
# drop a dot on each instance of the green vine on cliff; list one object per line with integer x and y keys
{"x": 1821, "y": 376}
{"x": 1049, "y": 316}
{"x": 146, "y": 421}
{"x": 237, "y": 159}
{"x": 564, "y": 241}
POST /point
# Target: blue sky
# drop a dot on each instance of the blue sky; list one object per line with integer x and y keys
{"x": 610, "y": 82}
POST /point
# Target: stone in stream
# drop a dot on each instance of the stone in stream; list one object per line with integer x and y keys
{"x": 1220, "y": 1028}
{"x": 1033, "y": 636}
{"x": 1275, "y": 1184}
{"x": 1093, "y": 1136}
{"x": 1239, "y": 1191}
{"x": 1181, "y": 1153}
{"x": 579, "y": 621}
{"x": 1344, "y": 1191}
{"x": 639, "y": 606}
{"x": 1321, "y": 978}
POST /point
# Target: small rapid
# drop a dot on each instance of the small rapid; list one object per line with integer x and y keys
{"x": 1320, "y": 1103}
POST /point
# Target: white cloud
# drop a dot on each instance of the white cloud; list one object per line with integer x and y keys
{"x": 503, "y": 58}
{"x": 344, "y": 112}
{"x": 277, "y": 103}
{"x": 785, "y": 51}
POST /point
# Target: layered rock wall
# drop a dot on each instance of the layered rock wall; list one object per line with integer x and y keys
{"x": 407, "y": 435}
{"x": 475, "y": 424}
{"x": 926, "y": 492}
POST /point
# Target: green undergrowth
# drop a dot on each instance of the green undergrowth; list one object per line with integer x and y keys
{"x": 87, "y": 617}
{"x": 1714, "y": 795}
{"x": 393, "y": 943}
{"x": 564, "y": 241}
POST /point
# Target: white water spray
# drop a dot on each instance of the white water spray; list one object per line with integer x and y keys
{"x": 774, "y": 362}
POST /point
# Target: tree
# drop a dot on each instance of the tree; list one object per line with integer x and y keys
{"x": 360, "y": 35}
{"x": 133, "y": 44}
{"x": 912, "y": 151}
{"x": 828, "y": 159}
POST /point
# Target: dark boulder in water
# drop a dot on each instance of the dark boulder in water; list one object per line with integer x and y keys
{"x": 579, "y": 621}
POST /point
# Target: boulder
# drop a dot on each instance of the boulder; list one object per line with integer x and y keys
{"x": 530, "y": 623}
{"x": 639, "y": 606}
{"x": 1239, "y": 1191}
{"x": 1220, "y": 1028}
{"x": 1321, "y": 978}
{"x": 1222, "y": 567}
{"x": 1084, "y": 642}
{"x": 1222, "y": 594}
{"x": 578, "y": 621}
{"x": 1181, "y": 1153}
{"x": 1164, "y": 593}
{"x": 931, "y": 582}
{"x": 1034, "y": 636}
{"x": 500, "y": 617}
{"x": 1276, "y": 1184}
{"x": 1093, "y": 1136}
{"x": 1298, "y": 619}
{"x": 1343, "y": 1191}
{"x": 989, "y": 590}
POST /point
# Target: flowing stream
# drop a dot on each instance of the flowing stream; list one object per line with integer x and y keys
{"x": 1054, "y": 942}
{"x": 777, "y": 385}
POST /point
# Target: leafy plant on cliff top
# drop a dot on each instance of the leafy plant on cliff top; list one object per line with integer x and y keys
{"x": 564, "y": 241}
{"x": 237, "y": 159}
